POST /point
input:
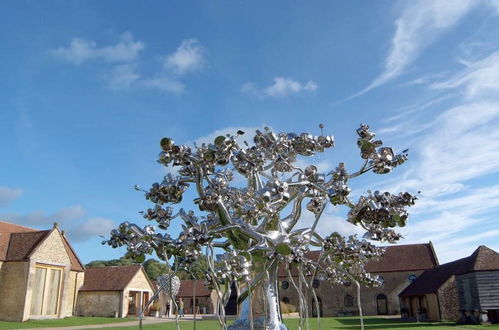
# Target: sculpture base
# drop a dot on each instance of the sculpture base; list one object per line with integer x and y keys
{"x": 258, "y": 324}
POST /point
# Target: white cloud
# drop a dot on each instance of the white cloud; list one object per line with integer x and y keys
{"x": 189, "y": 57}
{"x": 479, "y": 78}
{"x": 81, "y": 50}
{"x": 459, "y": 145}
{"x": 39, "y": 218}
{"x": 328, "y": 223}
{"x": 8, "y": 195}
{"x": 123, "y": 76}
{"x": 282, "y": 87}
{"x": 164, "y": 84}
{"x": 419, "y": 25}
{"x": 91, "y": 228}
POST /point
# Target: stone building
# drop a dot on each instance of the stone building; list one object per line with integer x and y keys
{"x": 114, "y": 291}
{"x": 40, "y": 274}
{"x": 206, "y": 299}
{"x": 464, "y": 290}
{"x": 400, "y": 265}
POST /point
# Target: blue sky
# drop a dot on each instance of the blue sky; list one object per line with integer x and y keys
{"x": 88, "y": 88}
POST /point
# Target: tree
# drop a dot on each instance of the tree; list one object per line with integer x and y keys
{"x": 255, "y": 224}
{"x": 123, "y": 261}
{"x": 190, "y": 271}
{"x": 154, "y": 268}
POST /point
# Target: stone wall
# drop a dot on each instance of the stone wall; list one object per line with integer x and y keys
{"x": 334, "y": 297}
{"x": 448, "y": 300}
{"x": 13, "y": 279}
{"x": 98, "y": 303}
{"x": 139, "y": 283}
{"x": 52, "y": 251}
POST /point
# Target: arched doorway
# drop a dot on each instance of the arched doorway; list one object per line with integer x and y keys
{"x": 231, "y": 307}
{"x": 314, "y": 307}
{"x": 382, "y": 304}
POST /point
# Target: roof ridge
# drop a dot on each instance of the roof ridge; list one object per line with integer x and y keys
{"x": 18, "y": 225}
{"x": 115, "y": 266}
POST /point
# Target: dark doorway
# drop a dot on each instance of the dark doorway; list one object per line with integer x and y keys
{"x": 133, "y": 302}
{"x": 231, "y": 307}
{"x": 314, "y": 307}
{"x": 382, "y": 303}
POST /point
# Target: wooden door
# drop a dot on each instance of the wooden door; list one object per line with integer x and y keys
{"x": 382, "y": 304}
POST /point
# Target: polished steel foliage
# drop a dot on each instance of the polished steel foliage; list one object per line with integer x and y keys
{"x": 169, "y": 284}
{"x": 248, "y": 228}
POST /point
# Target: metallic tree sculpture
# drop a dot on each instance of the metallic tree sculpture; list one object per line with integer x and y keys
{"x": 246, "y": 221}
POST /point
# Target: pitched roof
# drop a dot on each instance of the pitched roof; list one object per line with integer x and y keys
{"x": 22, "y": 244}
{"x": 398, "y": 258}
{"x": 76, "y": 263}
{"x": 431, "y": 280}
{"x": 109, "y": 278}
{"x": 187, "y": 289}
{"x": 6, "y": 229}
{"x": 18, "y": 242}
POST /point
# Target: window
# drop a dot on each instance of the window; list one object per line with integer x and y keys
{"x": 411, "y": 278}
{"x": 381, "y": 280}
{"x": 316, "y": 283}
{"x": 348, "y": 301}
{"x": 46, "y": 291}
{"x": 284, "y": 285}
{"x": 285, "y": 300}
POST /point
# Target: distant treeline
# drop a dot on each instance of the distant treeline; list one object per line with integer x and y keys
{"x": 154, "y": 267}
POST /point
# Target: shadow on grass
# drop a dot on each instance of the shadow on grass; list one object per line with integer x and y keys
{"x": 382, "y": 323}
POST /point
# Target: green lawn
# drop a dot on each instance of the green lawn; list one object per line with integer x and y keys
{"x": 67, "y": 322}
{"x": 328, "y": 323}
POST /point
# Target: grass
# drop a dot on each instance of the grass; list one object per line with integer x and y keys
{"x": 67, "y": 322}
{"x": 329, "y": 323}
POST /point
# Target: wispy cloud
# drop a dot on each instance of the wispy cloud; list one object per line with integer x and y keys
{"x": 40, "y": 218}
{"x": 458, "y": 150}
{"x": 478, "y": 79}
{"x": 8, "y": 195}
{"x": 71, "y": 219}
{"x": 123, "y": 76}
{"x": 282, "y": 87}
{"x": 189, "y": 57}
{"x": 80, "y": 50}
{"x": 164, "y": 84}
{"x": 92, "y": 228}
{"x": 419, "y": 25}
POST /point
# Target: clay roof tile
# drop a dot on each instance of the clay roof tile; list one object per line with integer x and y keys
{"x": 109, "y": 278}
{"x": 482, "y": 259}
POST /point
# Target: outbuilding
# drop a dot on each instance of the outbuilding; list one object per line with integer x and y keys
{"x": 114, "y": 291}
{"x": 465, "y": 290}
{"x": 40, "y": 273}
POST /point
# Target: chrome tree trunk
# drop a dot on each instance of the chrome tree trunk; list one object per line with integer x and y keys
{"x": 265, "y": 311}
